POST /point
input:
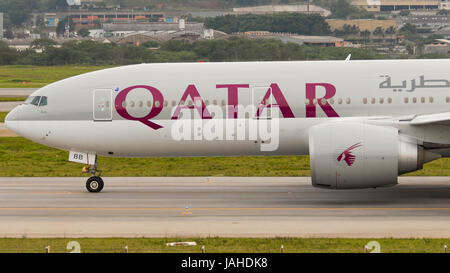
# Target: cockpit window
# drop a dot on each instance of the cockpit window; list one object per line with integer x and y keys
{"x": 43, "y": 101}
{"x": 36, "y": 100}
{"x": 29, "y": 100}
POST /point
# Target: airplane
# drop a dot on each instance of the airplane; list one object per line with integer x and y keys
{"x": 363, "y": 122}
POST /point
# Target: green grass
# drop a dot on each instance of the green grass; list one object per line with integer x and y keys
{"x": 224, "y": 245}
{"x": 24, "y": 76}
{"x": 2, "y": 116}
{"x": 7, "y": 99}
{"x": 21, "y": 157}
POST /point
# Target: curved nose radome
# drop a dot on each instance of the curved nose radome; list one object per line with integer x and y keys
{"x": 12, "y": 120}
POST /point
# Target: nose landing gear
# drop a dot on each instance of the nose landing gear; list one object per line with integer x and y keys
{"x": 95, "y": 182}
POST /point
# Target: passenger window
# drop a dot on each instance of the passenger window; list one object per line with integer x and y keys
{"x": 43, "y": 101}
{"x": 389, "y": 100}
{"x": 365, "y": 100}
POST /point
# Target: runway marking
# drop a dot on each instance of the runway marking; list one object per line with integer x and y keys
{"x": 198, "y": 209}
{"x": 40, "y": 192}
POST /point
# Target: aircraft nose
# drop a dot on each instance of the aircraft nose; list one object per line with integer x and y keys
{"x": 12, "y": 120}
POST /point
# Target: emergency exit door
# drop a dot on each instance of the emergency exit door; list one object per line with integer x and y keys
{"x": 102, "y": 105}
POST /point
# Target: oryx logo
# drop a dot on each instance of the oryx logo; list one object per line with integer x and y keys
{"x": 347, "y": 155}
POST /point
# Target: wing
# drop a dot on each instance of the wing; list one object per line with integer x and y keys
{"x": 439, "y": 118}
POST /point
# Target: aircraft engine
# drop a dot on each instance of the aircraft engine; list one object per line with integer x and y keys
{"x": 356, "y": 155}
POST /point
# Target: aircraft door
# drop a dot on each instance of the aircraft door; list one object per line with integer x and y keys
{"x": 102, "y": 105}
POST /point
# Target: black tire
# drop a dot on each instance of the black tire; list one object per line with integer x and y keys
{"x": 94, "y": 184}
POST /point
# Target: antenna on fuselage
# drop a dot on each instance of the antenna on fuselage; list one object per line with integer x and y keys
{"x": 348, "y": 57}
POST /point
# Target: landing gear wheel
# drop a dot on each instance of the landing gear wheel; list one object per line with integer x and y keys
{"x": 94, "y": 184}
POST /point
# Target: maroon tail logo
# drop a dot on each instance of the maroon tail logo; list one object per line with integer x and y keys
{"x": 347, "y": 155}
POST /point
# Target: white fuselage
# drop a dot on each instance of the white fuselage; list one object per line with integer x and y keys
{"x": 141, "y": 110}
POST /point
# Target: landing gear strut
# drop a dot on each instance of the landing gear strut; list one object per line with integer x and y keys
{"x": 95, "y": 182}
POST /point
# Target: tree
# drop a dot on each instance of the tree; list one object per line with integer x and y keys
{"x": 61, "y": 27}
{"x": 408, "y": 29}
{"x": 251, "y": 2}
{"x": 84, "y": 32}
{"x": 7, "y": 54}
{"x": 390, "y": 30}
{"x": 42, "y": 44}
{"x": 378, "y": 31}
{"x": 341, "y": 9}
{"x": 282, "y": 22}
{"x": 405, "y": 13}
{"x": 8, "y": 34}
{"x": 365, "y": 34}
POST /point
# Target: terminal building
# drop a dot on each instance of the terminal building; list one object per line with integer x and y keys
{"x": 319, "y": 41}
{"x": 271, "y": 9}
{"x": 90, "y": 18}
{"x": 398, "y": 5}
{"x": 1, "y": 25}
{"x": 426, "y": 23}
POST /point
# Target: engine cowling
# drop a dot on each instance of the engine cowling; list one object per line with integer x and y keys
{"x": 356, "y": 155}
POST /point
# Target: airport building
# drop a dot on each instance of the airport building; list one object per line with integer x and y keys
{"x": 1, "y": 25}
{"x": 444, "y": 32}
{"x": 90, "y": 18}
{"x": 268, "y": 9}
{"x": 138, "y": 34}
{"x": 126, "y": 28}
{"x": 444, "y": 4}
{"x": 394, "y": 5}
{"x": 362, "y": 24}
{"x": 441, "y": 46}
{"x": 320, "y": 41}
{"x": 426, "y": 23}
